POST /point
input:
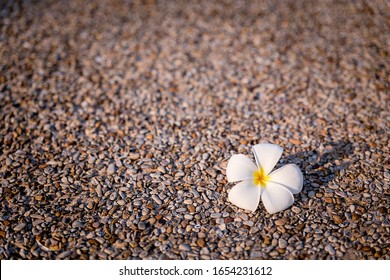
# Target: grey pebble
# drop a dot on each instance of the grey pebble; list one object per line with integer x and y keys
{"x": 111, "y": 169}
{"x": 329, "y": 248}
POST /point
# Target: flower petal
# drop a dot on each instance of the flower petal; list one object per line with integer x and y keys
{"x": 245, "y": 195}
{"x": 289, "y": 176}
{"x": 267, "y": 155}
{"x": 240, "y": 168}
{"x": 276, "y": 198}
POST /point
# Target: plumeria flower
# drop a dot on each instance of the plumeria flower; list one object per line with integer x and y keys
{"x": 256, "y": 181}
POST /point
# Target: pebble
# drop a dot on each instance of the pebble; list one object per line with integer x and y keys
{"x": 162, "y": 169}
{"x": 248, "y": 223}
{"x": 19, "y": 227}
{"x": 201, "y": 242}
{"x": 330, "y": 249}
{"x": 296, "y": 210}
{"x": 156, "y": 199}
{"x": 184, "y": 247}
{"x": 282, "y": 243}
{"x": 99, "y": 190}
{"x": 137, "y": 203}
{"x": 142, "y": 225}
{"x": 281, "y": 222}
{"x": 211, "y": 172}
{"x": 37, "y": 222}
{"x": 222, "y": 227}
{"x": 188, "y": 201}
{"x": 215, "y": 215}
{"x": 134, "y": 156}
{"x": 111, "y": 169}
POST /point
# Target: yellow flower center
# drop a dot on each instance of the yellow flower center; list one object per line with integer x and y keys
{"x": 260, "y": 178}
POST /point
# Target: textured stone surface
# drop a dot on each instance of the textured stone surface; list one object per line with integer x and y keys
{"x": 117, "y": 119}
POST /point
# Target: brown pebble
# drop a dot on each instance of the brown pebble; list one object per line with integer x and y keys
{"x": 328, "y": 199}
{"x": 201, "y": 242}
{"x": 134, "y": 156}
{"x": 281, "y": 222}
{"x": 184, "y": 247}
{"x": 19, "y": 227}
{"x": 152, "y": 221}
{"x": 191, "y": 208}
{"x": 296, "y": 210}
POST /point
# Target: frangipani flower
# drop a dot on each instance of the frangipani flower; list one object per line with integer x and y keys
{"x": 256, "y": 181}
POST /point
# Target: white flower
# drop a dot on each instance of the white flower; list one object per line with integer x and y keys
{"x": 275, "y": 189}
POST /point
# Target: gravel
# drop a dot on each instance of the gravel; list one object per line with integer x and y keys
{"x": 117, "y": 119}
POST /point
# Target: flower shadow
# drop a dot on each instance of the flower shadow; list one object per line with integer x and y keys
{"x": 321, "y": 167}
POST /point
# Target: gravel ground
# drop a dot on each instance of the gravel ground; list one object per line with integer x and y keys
{"x": 117, "y": 120}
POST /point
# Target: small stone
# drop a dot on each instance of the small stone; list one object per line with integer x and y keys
{"x": 215, "y": 215}
{"x": 311, "y": 194}
{"x": 188, "y": 216}
{"x": 64, "y": 255}
{"x": 99, "y": 190}
{"x": 282, "y": 243}
{"x": 222, "y": 227}
{"x": 330, "y": 249}
{"x": 134, "y": 156}
{"x": 37, "y": 222}
{"x": 91, "y": 160}
{"x": 281, "y": 222}
{"x": 19, "y": 227}
{"x": 184, "y": 247}
{"x": 211, "y": 172}
{"x": 142, "y": 225}
{"x": 296, "y": 210}
{"x": 248, "y": 223}
{"x": 111, "y": 169}
{"x": 137, "y": 203}
{"x": 8, "y": 161}
{"x": 201, "y": 242}
{"x": 76, "y": 224}
{"x": 156, "y": 199}
{"x": 188, "y": 201}
{"x": 162, "y": 169}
